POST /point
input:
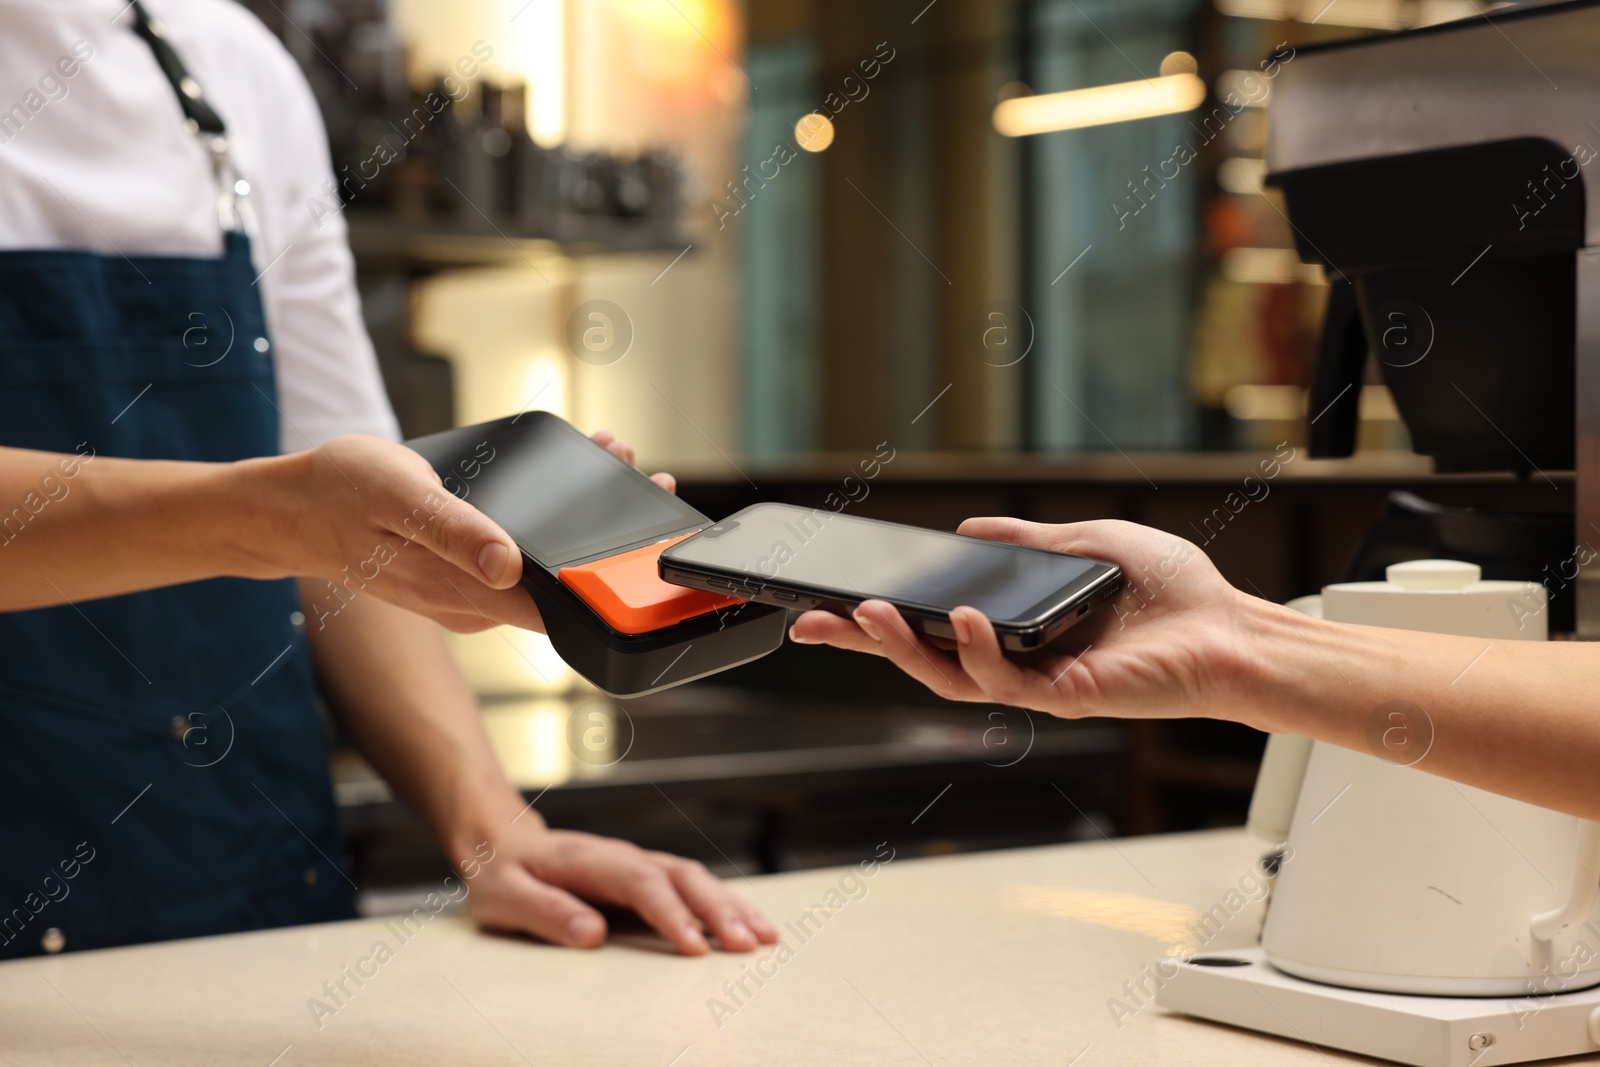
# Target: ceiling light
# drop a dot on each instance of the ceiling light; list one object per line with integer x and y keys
{"x": 813, "y": 132}
{"x": 1099, "y": 106}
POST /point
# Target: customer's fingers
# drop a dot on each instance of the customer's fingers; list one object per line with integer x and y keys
{"x": 665, "y": 481}
{"x": 985, "y": 662}
{"x": 995, "y": 528}
{"x": 826, "y": 628}
{"x": 937, "y": 670}
{"x": 1056, "y": 537}
{"x": 524, "y": 903}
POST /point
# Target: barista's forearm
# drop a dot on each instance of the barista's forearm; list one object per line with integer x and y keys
{"x": 1520, "y": 718}
{"x": 399, "y": 694}
{"x": 79, "y": 527}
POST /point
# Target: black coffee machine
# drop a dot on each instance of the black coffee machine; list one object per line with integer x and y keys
{"x": 1441, "y": 176}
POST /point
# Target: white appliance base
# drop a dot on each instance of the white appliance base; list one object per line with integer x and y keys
{"x": 1423, "y": 1031}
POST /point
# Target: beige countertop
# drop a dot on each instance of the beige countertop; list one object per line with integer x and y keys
{"x": 1003, "y": 957}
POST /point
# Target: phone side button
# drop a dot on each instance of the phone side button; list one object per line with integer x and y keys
{"x": 781, "y": 595}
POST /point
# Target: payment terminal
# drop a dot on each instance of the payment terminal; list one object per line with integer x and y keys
{"x": 590, "y": 528}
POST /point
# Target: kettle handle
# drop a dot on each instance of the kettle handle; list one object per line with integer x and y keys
{"x": 1585, "y": 886}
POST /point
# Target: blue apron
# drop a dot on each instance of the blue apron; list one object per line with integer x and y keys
{"x": 163, "y": 766}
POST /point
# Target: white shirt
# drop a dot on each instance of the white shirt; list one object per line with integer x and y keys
{"x": 106, "y": 164}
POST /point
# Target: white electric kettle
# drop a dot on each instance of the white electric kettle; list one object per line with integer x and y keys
{"x": 1400, "y": 881}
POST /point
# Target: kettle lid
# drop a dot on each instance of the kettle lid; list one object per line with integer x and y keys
{"x": 1434, "y": 574}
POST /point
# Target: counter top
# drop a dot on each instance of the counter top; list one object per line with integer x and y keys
{"x": 1003, "y": 957}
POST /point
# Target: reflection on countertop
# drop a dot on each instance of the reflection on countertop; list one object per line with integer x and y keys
{"x": 752, "y": 780}
{"x": 590, "y": 740}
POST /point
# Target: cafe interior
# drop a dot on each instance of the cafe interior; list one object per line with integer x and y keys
{"x": 925, "y": 260}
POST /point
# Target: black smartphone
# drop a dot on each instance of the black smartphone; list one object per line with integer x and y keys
{"x": 804, "y": 558}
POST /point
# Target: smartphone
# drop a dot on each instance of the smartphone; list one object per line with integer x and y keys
{"x": 805, "y": 558}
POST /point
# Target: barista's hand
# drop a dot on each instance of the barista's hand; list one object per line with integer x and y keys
{"x": 370, "y": 515}
{"x": 624, "y": 451}
{"x": 1168, "y": 646}
{"x": 534, "y": 882}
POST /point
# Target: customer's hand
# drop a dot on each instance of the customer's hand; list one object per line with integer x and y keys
{"x": 370, "y": 515}
{"x": 1169, "y": 645}
{"x": 534, "y": 877}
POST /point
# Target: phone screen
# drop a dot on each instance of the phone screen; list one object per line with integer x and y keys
{"x": 829, "y": 551}
{"x": 559, "y": 495}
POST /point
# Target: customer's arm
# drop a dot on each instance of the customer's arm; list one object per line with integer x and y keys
{"x": 79, "y": 527}
{"x": 1520, "y": 718}
{"x": 398, "y": 692}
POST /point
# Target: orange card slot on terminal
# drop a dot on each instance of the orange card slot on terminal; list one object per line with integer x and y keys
{"x": 627, "y": 591}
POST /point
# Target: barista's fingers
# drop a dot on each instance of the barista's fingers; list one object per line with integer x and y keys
{"x": 521, "y": 902}
{"x": 937, "y": 670}
{"x": 826, "y": 628}
{"x": 624, "y": 451}
{"x": 460, "y": 622}
{"x": 464, "y": 536}
{"x": 509, "y": 607}
{"x": 1001, "y": 680}
{"x": 737, "y": 926}
{"x": 650, "y": 891}
{"x": 613, "y": 444}
{"x": 467, "y": 608}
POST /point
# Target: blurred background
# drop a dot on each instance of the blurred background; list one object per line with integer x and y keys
{"x": 1023, "y": 248}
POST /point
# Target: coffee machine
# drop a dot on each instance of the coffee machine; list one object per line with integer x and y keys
{"x": 1441, "y": 176}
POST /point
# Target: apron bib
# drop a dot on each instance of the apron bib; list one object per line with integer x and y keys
{"x": 163, "y": 768}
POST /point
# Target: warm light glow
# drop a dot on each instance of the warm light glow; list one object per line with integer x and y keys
{"x": 1242, "y": 176}
{"x": 1369, "y": 14}
{"x": 1099, "y": 106}
{"x": 679, "y": 42}
{"x": 530, "y": 739}
{"x": 813, "y": 132}
{"x": 1274, "y": 403}
{"x": 544, "y": 386}
{"x": 1179, "y": 63}
{"x": 508, "y": 661}
{"x": 681, "y": 19}
{"x": 536, "y": 50}
{"x": 1269, "y": 266}
{"x": 544, "y": 670}
{"x": 1250, "y": 88}
{"x": 1174, "y": 924}
{"x": 1288, "y": 403}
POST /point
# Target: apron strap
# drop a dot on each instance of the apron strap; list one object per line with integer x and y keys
{"x": 203, "y": 118}
{"x": 233, "y": 209}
